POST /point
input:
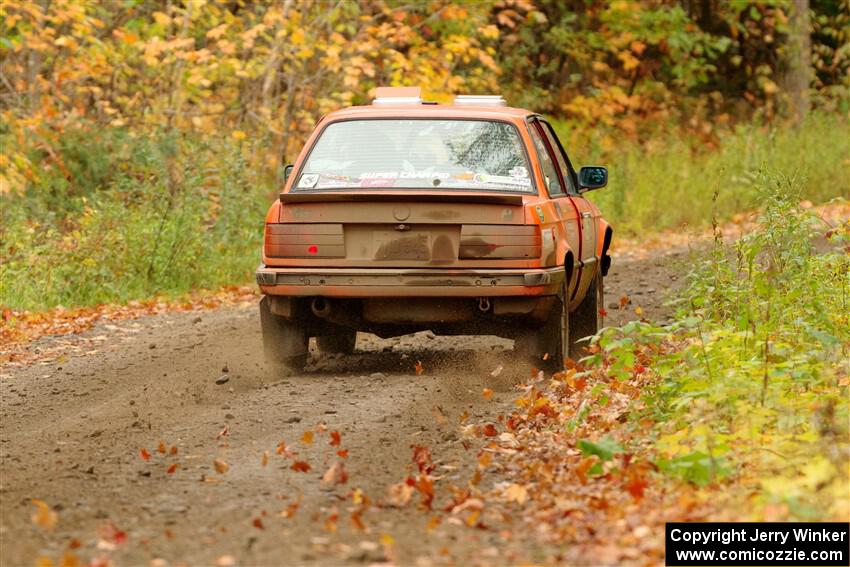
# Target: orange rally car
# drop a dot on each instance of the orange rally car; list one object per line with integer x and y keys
{"x": 408, "y": 215}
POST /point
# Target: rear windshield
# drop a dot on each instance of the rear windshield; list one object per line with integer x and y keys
{"x": 417, "y": 154}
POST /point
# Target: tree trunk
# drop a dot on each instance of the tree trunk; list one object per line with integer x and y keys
{"x": 798, "y": 58}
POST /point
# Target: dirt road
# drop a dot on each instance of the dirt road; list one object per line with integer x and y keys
{"x": 72, "y": 431}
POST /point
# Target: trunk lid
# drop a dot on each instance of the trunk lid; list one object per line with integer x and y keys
{"x": 402, "y": 230}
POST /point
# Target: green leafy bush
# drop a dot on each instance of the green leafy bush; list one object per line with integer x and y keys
{"x": 751, "y": 378}
{"x": 145, "y": 216}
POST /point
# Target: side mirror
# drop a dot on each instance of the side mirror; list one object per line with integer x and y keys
{"x": 287, "y": 171}
{"x": 593, "y": 177}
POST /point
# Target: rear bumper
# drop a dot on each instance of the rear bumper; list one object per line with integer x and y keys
{"x": 409, "y": 282}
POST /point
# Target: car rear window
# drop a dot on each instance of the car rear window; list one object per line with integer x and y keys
{"x": 476, "y": 155}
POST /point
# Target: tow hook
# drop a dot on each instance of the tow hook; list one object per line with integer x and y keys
{"x": 484, "y": 304}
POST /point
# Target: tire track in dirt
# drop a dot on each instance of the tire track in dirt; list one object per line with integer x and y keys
{"x": 72, "y": 430}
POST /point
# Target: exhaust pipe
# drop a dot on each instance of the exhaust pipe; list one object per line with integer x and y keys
{"x": 320, "y": 307}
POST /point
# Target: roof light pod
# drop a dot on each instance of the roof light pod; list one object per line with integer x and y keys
{"x": 479, "y": 100}
{"x": 397, "y": 95}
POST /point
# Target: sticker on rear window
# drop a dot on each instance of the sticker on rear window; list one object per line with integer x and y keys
{"x": 308, "y": 180}
{"x": 501, "y": 179}
{"x": 378, "y": 175}
{"x": 519, "y": 171}
{"x": 377, "y": 182}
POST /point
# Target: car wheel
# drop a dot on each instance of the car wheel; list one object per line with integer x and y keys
{"x": 340, "y": 343}
{"x": 285, "y": 342}
{"x": 587, "y": 318}
{"x": 549, "y": 345}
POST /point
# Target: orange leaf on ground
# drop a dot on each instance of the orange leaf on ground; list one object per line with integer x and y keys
{"x": 44, "y": 516}
{"x": 357, "y": 521}
{"x": 422, "y": 458}
{"x": 582, "y": 468}
{"x": 426, "y": 487}
{"x": 307, "y": 438}
{"x": 342, "y": 453}
{"x": 300, "y": 466}
{"x": 110, "y": 533}
{"x": 258, "y": 523}
{"x": 419, "y": 368}
{"x": 484, "y": 460}
{"x": 161, "y": 449}
{"x": 487, "y": 393}
{"x": 399, "y": 495}
{"x": 143, "y": 453}
{"x": 221, "y": 466}
{"x": 172, "y": 468}
{"x": 330, "y": 522}
{"x": 290, "y": 510}
{"x": 265, "y": 460}
{"x": 336, "y": 474}
{"x": 516, "y": 493}
{"x": 636, "y": 485}
{"x": 336, "y": 439}
{"x": 490, "y": 430}
{"x": 173, "y": 450}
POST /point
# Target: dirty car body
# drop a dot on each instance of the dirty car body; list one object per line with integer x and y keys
{"x": 461, "y": 219}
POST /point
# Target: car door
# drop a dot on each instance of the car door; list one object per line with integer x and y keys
{"x": 584, "y": 210}
{"x": 568, "y": 217}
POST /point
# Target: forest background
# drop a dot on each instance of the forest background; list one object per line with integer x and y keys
{"x": 143, "y": 140}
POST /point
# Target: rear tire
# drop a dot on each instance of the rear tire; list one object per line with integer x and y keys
{"x": 587, "y": 318}
{"x": 549, "y": 344}
{"x": 285, "y": 342}
{"x": 342, "y": 343}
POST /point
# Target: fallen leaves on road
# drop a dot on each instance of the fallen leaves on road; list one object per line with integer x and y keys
{"x": 336, "y": 474}
{"x": 300, "y": 466}
{"x": 19, "y": 329}
{"x": 221, "y": 466}
{"x": 399, "y": 495}
{"x": 44, "y": 517}
{"x": 110, "y": 537}
{"x": 336, "y": 439}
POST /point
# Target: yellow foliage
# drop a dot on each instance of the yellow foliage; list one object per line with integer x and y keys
{"x": 273, "y": 70}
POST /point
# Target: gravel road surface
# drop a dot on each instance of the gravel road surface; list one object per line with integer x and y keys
{"x": 73, "y": 428}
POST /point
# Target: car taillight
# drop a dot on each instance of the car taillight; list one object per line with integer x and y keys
{"x": 499, "y": 241}
{"x": 321, "y": 240}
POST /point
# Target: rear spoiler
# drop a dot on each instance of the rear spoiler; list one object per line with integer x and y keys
{"x": 345, "y": 196}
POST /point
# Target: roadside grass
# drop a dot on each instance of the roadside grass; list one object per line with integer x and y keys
{"x": 737, "y": 410}
{"x": 146, "y": 217}
{"x": 115, "y": 217}
{"x": 671, "y": 181}
{"x": 749, "y": 384}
